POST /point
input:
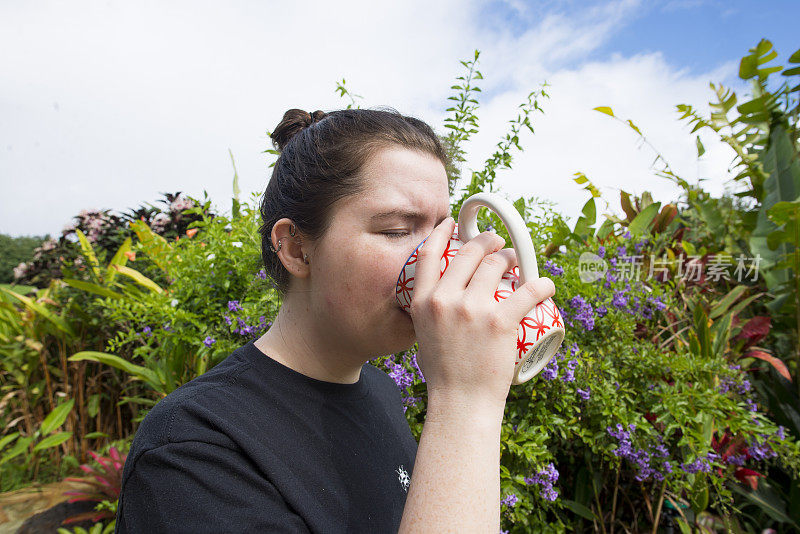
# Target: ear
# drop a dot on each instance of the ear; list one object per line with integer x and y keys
{"x": 292, "y": 248}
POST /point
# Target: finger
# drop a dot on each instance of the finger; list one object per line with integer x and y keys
{"x": 466, "y": 261}
{"x": 527, "y": 297}
{"x": 429, "y": 257}
{"x": 487, "y": 277}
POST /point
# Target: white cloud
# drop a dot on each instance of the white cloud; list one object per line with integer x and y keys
{"x": 106, "y": 105}
{"x": 571, "y": 137}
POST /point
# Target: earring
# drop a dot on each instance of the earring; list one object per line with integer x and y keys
{"x": 305, "y": 258}
{"x": 292, "y": 230}
{"x": 279, "y": 247}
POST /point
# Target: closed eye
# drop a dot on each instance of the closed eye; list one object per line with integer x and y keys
{"x": 395, "y": 235}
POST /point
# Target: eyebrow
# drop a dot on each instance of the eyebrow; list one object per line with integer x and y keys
{"x": 409, "y": 215}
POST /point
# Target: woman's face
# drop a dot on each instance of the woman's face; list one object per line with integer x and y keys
{"x": 354, "y": 267}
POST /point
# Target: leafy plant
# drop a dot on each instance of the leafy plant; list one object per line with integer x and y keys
{"x": 105, "y": 488}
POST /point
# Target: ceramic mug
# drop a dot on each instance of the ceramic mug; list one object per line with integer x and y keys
{"x": 541, "y": 331}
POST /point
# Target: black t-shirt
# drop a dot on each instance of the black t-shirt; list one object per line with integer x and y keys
{"x": 254, "y": 446}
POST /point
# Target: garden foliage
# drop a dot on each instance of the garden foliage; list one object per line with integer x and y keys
{"x": 673, "y": 400}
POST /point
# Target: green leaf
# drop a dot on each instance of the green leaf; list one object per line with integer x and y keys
{"x": 56, "y": 418}
{"x": 139, "y": 278}
{"x": 19, "y": 447}
{"x": 642, "y": 221}
{"x": 605, "y": 229}
{"x": 53, "y": 441}
{"x": 40, "y": 310}
{"x": 579, "y": 509}
{"x": 8, "y": 439}
{"x": 88, "y": 253}
{"x": 605, "y": 109}
{"x": 698, "y": 497}
{"x": 93, "y": 288}
{"x": 93, "y": 405}
{"x": 95, "y": 435}
{"x": 766, "y": 499}
{"x": 119, "y": 259}
{"x": 746, "y": 302}
{"x": 783, "y": 212}
{"x": 760, "y": 55}
{"x": 700, "y": 148}
{"x": 782, "y": 184}
{"x": 722, "y": 332}
{"x": 137, "y": 371}
{"x": 723, "y": 305}
{"x": 155, "y": 246}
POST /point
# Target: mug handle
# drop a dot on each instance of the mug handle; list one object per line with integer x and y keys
{"x": 520, "y": 237}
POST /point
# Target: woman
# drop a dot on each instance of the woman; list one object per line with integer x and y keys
{"x": 296, "y": 432}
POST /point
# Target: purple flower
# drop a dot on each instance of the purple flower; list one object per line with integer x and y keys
{"x": 699, "y": 465}
{"x": 602, "y": 311}
{"x": 208, "y": 341}
{"x": 760, "y": 451}
{"x": 552, "y": 268}
{"x": 550, "y": 372}
{"x": 414, "y": 364}
{"x": 262, "y": 274}
{"x": 510, "y": 500}
{"x": 401, "y": 376}
{"x": 227, "y": 319}
{"x": 584, "y": 312}
{"x": 781, "y": 432}
{"x": 147, "y": 331}
{"x": 585, "y": 394}
{"x": 545, "y": 478}
{"x": 627, "y": 234}
{"x": 736, "y": 459}
{"x": 601, "y": 251}
{"x": 619, "y": 300}
{"x": 641, "y": 458}
{"x": 167, "y": 328}
{"x": 233, "y": 305}
{"x": 569, "y": 375}
{"x": 658, "y": 303}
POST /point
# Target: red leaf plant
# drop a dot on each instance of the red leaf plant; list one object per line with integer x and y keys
{"x": 106, "y": 485}
{"x": 754, "y": 330}
{"x": 734, "y": 448}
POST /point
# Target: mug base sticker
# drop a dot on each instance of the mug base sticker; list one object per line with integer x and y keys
{"x": 540, "y": 355}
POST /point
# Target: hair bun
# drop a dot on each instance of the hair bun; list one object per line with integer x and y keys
{"x": 293, "y": 122}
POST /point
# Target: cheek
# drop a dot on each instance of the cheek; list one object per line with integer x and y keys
{"x": 366, "y": 282}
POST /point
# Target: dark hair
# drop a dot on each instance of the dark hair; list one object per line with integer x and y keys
{"x": 321, "y": 155}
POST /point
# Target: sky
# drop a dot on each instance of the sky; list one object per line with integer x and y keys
{"x": 109, "y": 104}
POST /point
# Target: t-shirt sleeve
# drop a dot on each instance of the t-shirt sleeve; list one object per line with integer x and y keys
{"x": 196, "y": 487}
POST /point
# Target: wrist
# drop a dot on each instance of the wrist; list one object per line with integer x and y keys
{"x": 458, "y": 404}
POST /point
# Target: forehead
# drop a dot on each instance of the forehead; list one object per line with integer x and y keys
{"x": 398, "y": 178}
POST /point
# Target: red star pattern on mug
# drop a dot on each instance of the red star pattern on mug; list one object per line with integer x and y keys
{"x": 449, "y": 253}
{"x": 551, "y": 312}
{"x": 536, "y": 322}
{"x": 539, "y": 321}
{"x": 404, "y": 287}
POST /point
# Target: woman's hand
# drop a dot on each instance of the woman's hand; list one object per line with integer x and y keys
{"x": 467, "y": 340}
